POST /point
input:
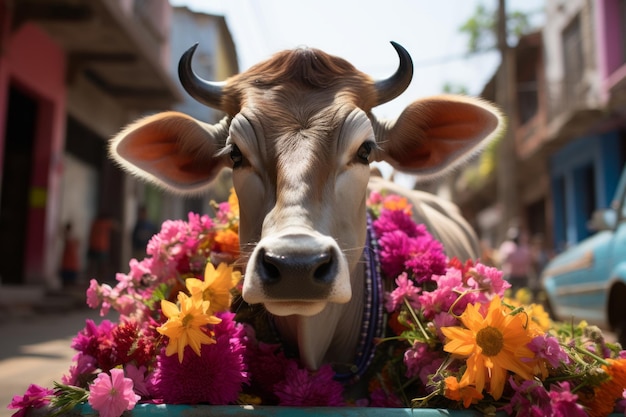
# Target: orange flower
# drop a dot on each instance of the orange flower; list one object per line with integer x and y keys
{"x": 492, "y": 346}
{"x": 602, "y": 403}
{"x": 397, "y": 203}
{"x": 457, "y": 392}
{"x": 228, "y": 241}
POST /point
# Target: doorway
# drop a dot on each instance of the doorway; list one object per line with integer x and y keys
{"x": 16, "y": 179}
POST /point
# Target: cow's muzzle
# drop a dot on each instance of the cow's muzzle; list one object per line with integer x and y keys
{"x": 297, "y": 270}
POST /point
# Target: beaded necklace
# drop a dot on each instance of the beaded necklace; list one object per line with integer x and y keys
{"x": 372, "y": 323}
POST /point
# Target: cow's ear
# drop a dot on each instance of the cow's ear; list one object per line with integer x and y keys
{"x": 172, "y": 150}
{"x": 438, "y": 133}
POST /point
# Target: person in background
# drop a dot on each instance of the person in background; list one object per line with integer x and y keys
{"x": 142, "y": 233}
{"x": 70, "y": 265}
{"x": 516, "y": 260}
{"x": 100, "y": 246}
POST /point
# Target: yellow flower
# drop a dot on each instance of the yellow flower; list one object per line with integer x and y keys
{"x": 538, "y": 319}
{"x": 458, "y": 392}
{"x": 233, "y": 202}
{"x": 184, "y": 326}
{"x": 216, "y": 286}
{"x": 492, "y": 344}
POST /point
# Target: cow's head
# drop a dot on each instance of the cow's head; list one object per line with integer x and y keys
{"x": 299, "y": 135}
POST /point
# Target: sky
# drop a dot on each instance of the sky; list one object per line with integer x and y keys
{"x": 360, "y": 31}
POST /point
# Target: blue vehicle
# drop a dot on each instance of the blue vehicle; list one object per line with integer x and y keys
{"x": 588, "y": 280}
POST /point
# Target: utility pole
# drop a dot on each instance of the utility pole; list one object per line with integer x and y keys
{"x": 506, "y": 165}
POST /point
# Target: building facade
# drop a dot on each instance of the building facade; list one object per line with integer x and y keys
{"x": 71, "y": 74}
{"x": 569, "y": 126}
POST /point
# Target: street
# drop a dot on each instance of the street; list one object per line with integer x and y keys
{"x": 35, "y": 349}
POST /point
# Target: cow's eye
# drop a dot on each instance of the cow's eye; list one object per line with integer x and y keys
{"x": 236, "y": 156}
{"x": 363, "y": 154}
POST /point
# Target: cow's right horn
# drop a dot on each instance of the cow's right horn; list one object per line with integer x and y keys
{"x": 395, "y": 85}
{"x": 206, "y": 92}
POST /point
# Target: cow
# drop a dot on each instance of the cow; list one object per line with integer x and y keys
{"x": 300, "y": 135}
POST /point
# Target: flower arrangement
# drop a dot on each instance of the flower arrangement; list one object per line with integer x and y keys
{"x": 453, "y": 338}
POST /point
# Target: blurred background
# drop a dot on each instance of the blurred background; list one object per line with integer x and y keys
{"x": 74, "y": 72}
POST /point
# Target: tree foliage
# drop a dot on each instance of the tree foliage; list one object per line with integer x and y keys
{"x": 481, "y": 28}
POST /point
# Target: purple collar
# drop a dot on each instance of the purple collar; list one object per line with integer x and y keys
{"x": 372, "y": 323}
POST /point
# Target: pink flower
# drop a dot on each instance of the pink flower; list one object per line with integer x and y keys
{"x": 34, "y": 397}
{"x": 449, "y": 287}
{"x": 487, "y": 279}
{"x": 111, "y": 394}
{"x": 405, "y": 289}
{"x": 93, "y": 298}
{"x": 303, "y": 388}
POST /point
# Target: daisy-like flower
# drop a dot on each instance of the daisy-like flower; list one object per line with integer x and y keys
{"x": 216, "y": 286}
{"x": 184, "y": 326}
{"x": 111, "y": 394}
{"x": 457, "y": 391}
{"x": 492, "y": 345}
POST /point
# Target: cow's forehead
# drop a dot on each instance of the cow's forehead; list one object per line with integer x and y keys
{"x": 304, "y": 75}
{"x": 283, "y": 112}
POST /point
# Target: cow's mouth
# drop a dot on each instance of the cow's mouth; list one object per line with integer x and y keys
{"x": 289, "y": 308}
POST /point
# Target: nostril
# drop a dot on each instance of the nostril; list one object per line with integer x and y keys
{"x": 270, "y": 273}
{"x": 323, "y": 271}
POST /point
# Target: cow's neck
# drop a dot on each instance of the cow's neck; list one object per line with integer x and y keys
{"x": 342, "y": 334}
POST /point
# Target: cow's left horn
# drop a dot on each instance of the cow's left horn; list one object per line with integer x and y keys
{"x": 206, "y": 92}
{"x": 393, "y": 86}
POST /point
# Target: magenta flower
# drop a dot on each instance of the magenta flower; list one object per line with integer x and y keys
{"x": 112, "y": 394}
{"x": 394, "y": 250}
{"x": 34, "y": 397}
{"x": 426, "y": 258}
{"x": 215, "y": 377}
{"x": 393, "y": 220}
{"x": 303, "y": 388}
{"x": 384, "y": 399}
{"x": 548, "y": 348}
{"x": 530, "y": 399}
{"x": 563, "y": 402}
{"x": 84, "y": 365}
{"x": 138, "y": 376}
{"x": 421, "y": 361}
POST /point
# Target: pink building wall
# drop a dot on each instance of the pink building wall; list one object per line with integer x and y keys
{"x": 610, "y": 53}
{"x": 33, "y": 61}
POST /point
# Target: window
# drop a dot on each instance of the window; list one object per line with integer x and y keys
{"x": 573, "y": 56}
